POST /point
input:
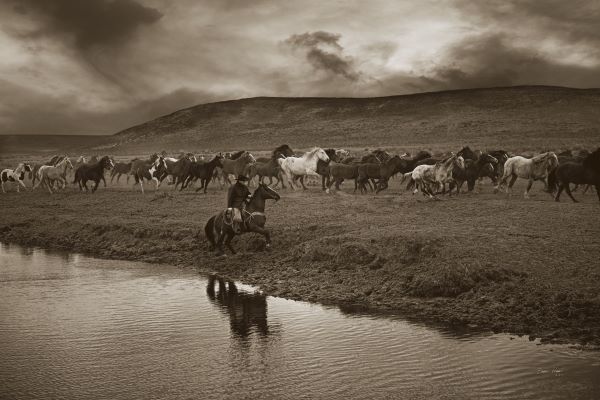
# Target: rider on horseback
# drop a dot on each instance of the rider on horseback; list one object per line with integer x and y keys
{"x": 237, "y": 197}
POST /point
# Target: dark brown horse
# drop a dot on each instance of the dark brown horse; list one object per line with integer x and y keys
{"x": 584, "y": 173}
{"x": 92, "y": 172}
{"x": 219, "y": 230}
{"x": 203, "y": 171}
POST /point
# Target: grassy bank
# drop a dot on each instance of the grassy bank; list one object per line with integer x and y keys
{"x": 519, "y": 266}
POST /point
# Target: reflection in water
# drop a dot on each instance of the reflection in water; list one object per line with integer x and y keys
{"x": 247, "y": 311}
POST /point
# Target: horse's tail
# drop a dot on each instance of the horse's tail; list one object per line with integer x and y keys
{"x": 209, "y": 230}
{"x": 552, "y": 181}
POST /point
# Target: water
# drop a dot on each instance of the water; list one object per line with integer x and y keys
{"x": 78, "y": 327}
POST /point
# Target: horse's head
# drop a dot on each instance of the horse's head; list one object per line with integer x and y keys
{"x": 320, "y": 154}
{"x": 247, "y": 157}
{"x": 552, "y": 160}
{"x": 488, "y": 159}
{"x": 160, "y": 164}
{"x": 340, "y": 154}
{"x": 154, "y": 157}
{"x": 459, "y": 162}
{"x": 27, "y": 167}
{"x": 268, "y": 193}
{"x": 67, "y": 162}
{"x": 107, "y": 162}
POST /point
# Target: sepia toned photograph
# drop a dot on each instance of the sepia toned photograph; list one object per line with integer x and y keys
{"x": 299, "y": 199}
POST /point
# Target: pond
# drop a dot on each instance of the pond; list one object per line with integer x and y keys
{"x": 78, "y": 327}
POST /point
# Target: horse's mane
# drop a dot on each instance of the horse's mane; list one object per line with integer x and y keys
{"x": 284, "y": 149}
{"x": 593, "y": 161}
{"x": 541, "y": 157}
{"x": 237, "y": 155}
{"x": 421, "y": 155}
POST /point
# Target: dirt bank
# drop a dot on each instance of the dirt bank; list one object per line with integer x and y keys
{"x": 522, "y": 266}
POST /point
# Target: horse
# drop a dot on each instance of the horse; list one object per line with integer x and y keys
{"x": 92, "y": 172}
{"x": 438, "y": 174}
{"x": 269, "y": 169}
{"x": 338, "y": 172}
{"x": 467, "y": 154}
{"x": 532, "y": 169}
{"x": 322, "y": 169}
{"x": 586, "y": 172}
{"x": 501, "y": 156}
{"x": 378, "y": 172}
{"x": 236, "y": 166}
{"x": 47, "y": 173}
{"x": 219, "y": 229}
{"x": 304, "y": 165}
{"x": 17, "y": 175}
{"x": 33, "y": 175}
{"x": 203, "y": 171}
{"x": 148, "y": 169}
{"x": 471, "y": 172}
{"x": 177, "y": 167}
{"x": 119, "y": 169}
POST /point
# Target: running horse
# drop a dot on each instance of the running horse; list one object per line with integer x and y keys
{"x": 536, "y": 168}
{"x": 219, "y": 229}
{"x": 17, "y": 175}
{"x": 586, "y": 172}
{"x": 92, "y": 172}
{"x": 47, "y": 174}
{"x": 305, "y": 165}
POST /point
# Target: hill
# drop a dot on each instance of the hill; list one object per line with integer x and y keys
{"x": 512, "y": 117}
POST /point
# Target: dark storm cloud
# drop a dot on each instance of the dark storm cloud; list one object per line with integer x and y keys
{"x": 491, "y": 60}
{"x": 324, "y": 52}
{"x": 89, "y": 22}
{"x": 32, "y": 112}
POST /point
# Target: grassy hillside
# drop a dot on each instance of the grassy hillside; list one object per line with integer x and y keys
{"x": 514, "y": 118}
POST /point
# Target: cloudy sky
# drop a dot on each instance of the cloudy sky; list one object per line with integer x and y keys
{"x": 99, "y": 66}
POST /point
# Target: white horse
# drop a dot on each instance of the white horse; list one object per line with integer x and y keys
{"x": 305, "y": 165}
{"x": 536, "y": 168}
{"x": 429, "y": 178}
{"x": 16, "y": 175}
{"x": 47, "y": 174}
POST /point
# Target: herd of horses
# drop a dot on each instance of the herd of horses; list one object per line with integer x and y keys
{"x": 423, "y": 172}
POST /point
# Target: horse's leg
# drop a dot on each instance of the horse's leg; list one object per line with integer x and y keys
{"x": 598, "y": 191}
{"x": 96, "y": 185}
{"x": 559, "y": 191}
{"x": 253, "y": 227}
{"x": 103, "y": 180}
{"x": 530, "y": 183}
{"x": 22, "y": 184}
{"x": 228, "y": 239}
{"x": 4, "y": 191}
{"x": 302, "y": 182}
{"x": 568, "y": 190}
{"x": 511, "y": 183}
{"x": 219, "y": 242}
{"x": 47, "y": 183}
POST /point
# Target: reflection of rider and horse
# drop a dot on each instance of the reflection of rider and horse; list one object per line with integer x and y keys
{"x": 247, "y": 312}
{"x": 424, "y": 172}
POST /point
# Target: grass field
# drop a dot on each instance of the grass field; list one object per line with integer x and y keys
{"x": 480, "y": 259}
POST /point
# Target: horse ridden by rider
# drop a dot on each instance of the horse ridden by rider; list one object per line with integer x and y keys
{"x": 219, "y": 229}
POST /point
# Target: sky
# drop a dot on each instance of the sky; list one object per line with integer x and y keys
{"x": 100, "y": 66}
